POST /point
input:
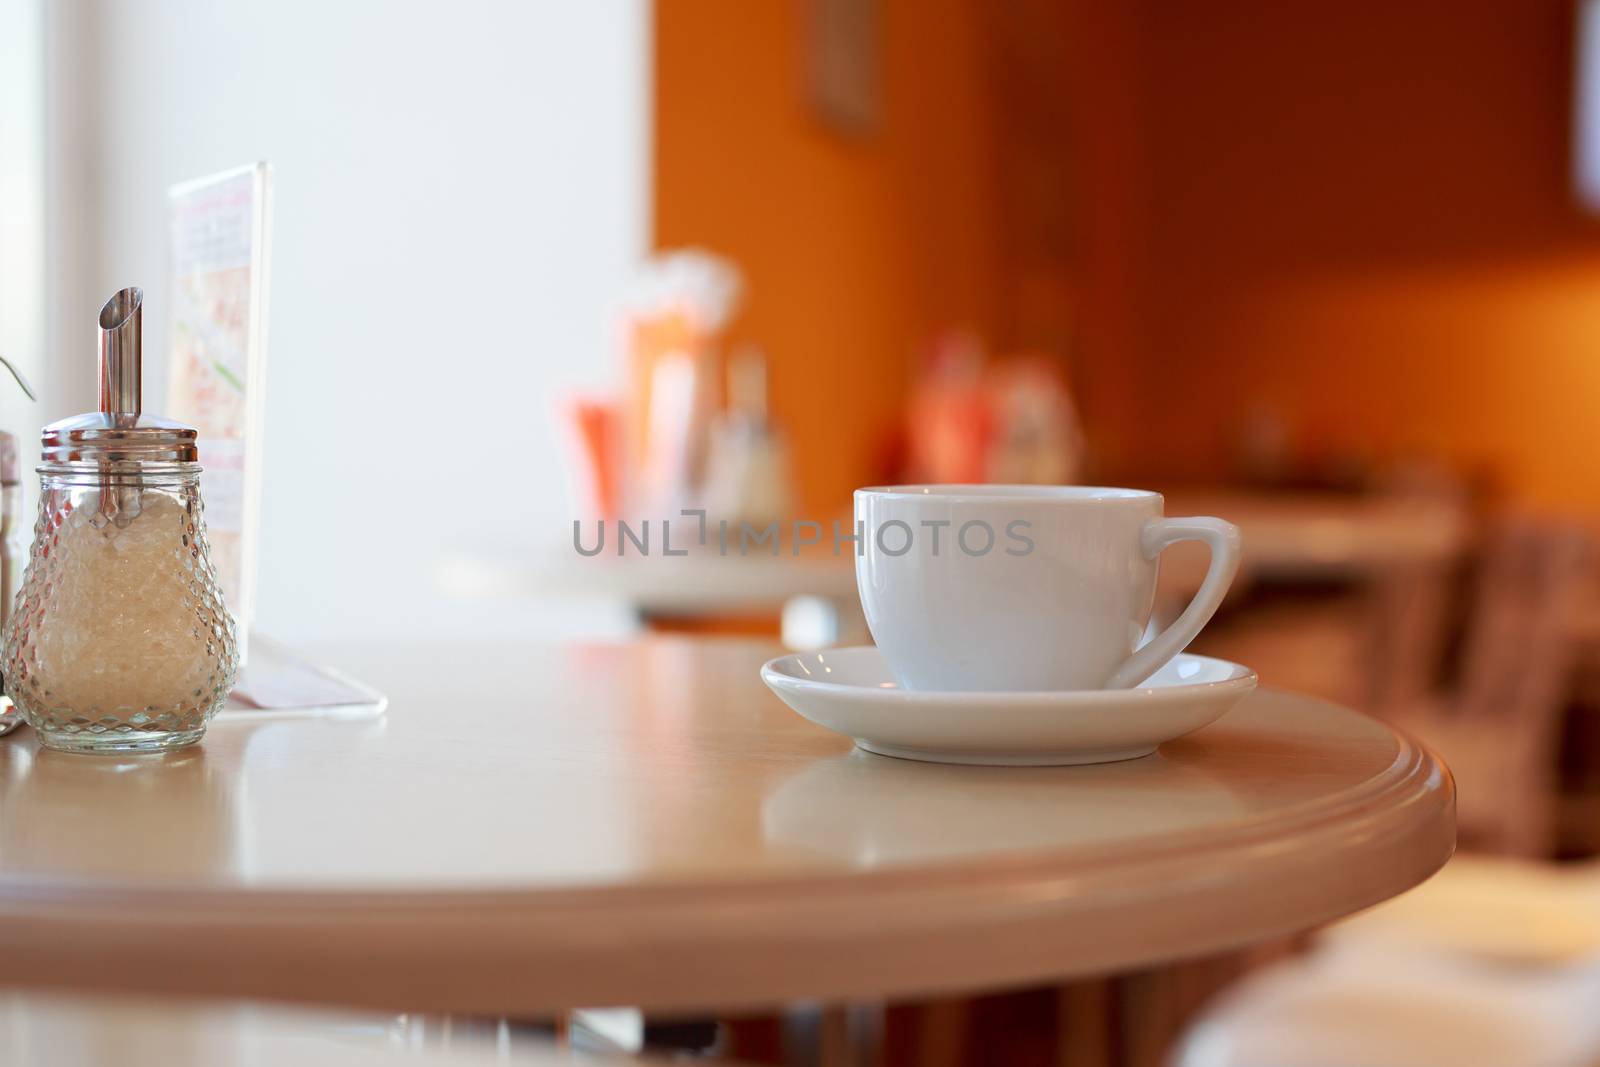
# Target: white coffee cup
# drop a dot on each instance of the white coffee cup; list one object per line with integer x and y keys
{"x": 1025, "y": 587}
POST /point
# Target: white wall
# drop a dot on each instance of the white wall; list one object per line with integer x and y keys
{"x": 22, "y": 200}
{"x": 461, "y": 190}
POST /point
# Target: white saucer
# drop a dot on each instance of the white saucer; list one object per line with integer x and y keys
{"x": 851, "y": 691}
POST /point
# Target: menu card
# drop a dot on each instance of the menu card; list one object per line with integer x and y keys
{"x": 216, "y": 359}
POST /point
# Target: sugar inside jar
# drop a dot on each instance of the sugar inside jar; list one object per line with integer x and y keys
{"x": 119, "y": 639}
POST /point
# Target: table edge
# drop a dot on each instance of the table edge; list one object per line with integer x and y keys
{"x": 912, "y": 930}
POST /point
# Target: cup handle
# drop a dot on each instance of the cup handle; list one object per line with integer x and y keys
{"x": 1223, "y": 540}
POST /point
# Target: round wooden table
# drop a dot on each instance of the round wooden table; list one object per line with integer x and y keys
{"x": 534, "y": 829}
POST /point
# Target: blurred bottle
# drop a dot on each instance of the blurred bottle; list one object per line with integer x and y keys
{"x": 748, "y": 473}
{"x": 1036, "y": 438}
{"x": 682, "y": 301}
{"x": 594, "y": 426}
{"x": 1013, "y": 423}
{"x": 948, "y": 420}
{"x": 1263, "y": 446}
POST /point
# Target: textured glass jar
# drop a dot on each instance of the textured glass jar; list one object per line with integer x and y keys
{"x": 119, "y": 639}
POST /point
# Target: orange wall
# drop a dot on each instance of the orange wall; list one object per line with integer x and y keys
{"x": 854, "y": 251}
{"x": 1359, "y": 215}
{"x": 1496, "y": 366}
{"x": 1356, "y": 214}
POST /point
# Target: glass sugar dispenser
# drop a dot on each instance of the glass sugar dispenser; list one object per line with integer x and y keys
{"x": 119, "y": 640}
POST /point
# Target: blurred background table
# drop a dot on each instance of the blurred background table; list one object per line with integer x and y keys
{"x": 701, "y": 585}
{"x": 532, "y": 829}
{"x": 1321, "y": 534}
{"x": 809, "y": 600}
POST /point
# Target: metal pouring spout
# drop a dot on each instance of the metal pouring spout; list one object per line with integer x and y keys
{"x": 121, "y": 326}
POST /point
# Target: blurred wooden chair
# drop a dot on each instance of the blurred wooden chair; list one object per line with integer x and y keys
{"x": 1310, "y": 642}
{"x": 1492, "y": 910}
{"x": 1494, "y": 961}
{"x": 1498, "y": 727}
{"x": 1369, "y": 630}
{"x": 1411, "y": 603}
{"x": 1409, "y": 609}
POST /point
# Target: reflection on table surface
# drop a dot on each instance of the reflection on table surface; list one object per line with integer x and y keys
{"x": 42, "y": 1031}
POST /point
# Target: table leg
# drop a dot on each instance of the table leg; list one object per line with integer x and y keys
{"x": 941, "y": 1028}
{"x": 1083, "y": 1024}
{"x": 834, "y": 1035}
{"x": 441, "y": 1033}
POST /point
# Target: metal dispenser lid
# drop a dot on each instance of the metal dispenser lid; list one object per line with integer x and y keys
{"x": 119, "y": 431}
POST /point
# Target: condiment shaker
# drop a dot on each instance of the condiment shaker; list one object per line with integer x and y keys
{"x": 119, "y": 640}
